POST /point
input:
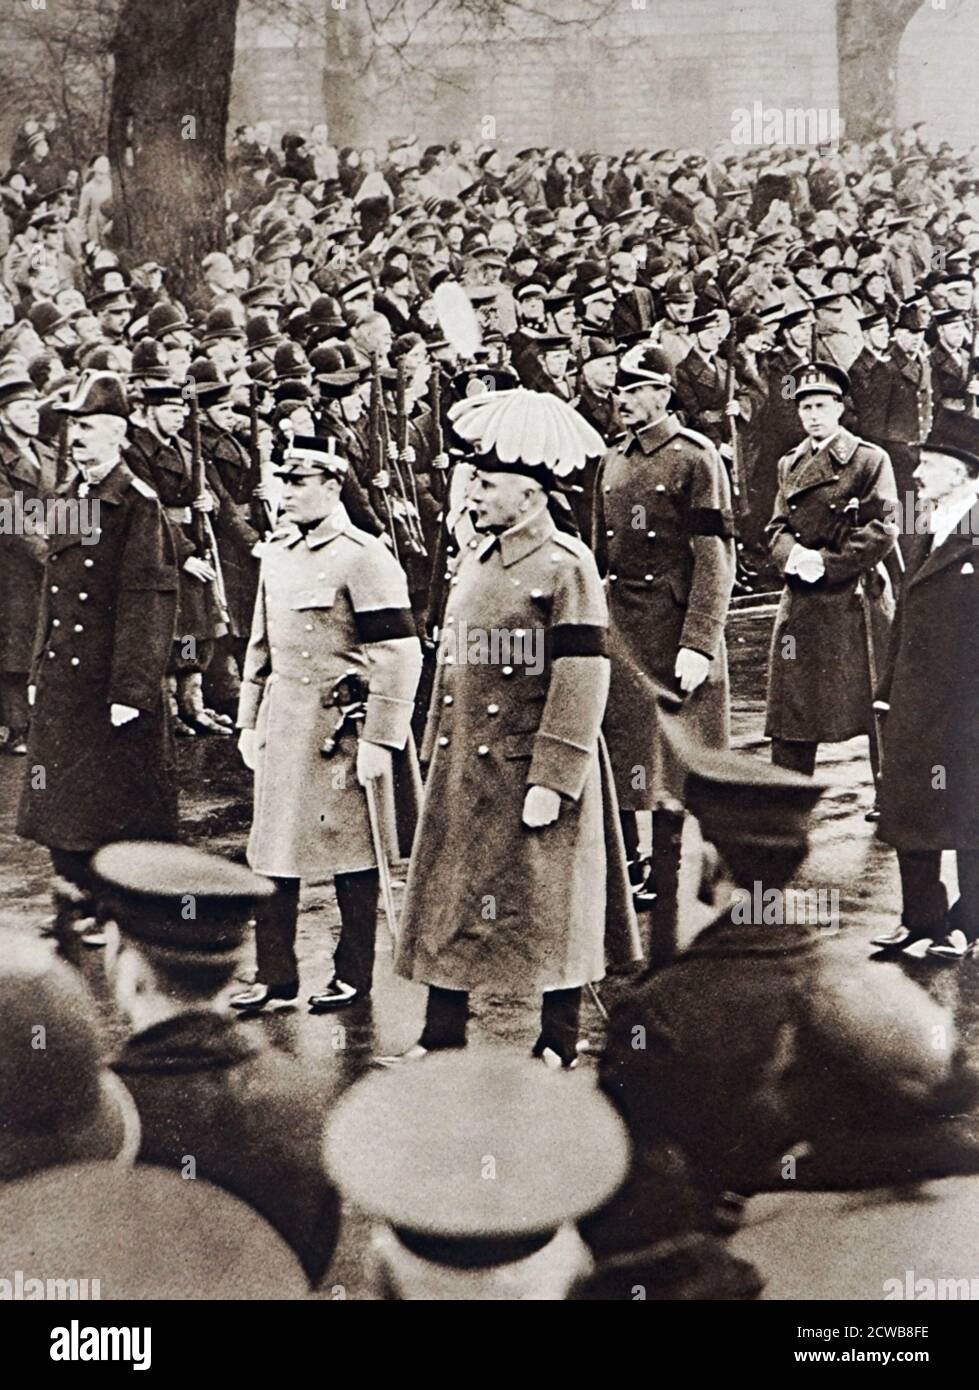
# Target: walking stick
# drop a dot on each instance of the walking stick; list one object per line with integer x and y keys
{"x": 383, "y": 868}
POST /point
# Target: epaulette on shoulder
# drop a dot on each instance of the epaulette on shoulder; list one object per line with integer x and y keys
{"x": 141, "y": 487}
{"x": 568, "y": 542}
{"x": 697, "y": 438}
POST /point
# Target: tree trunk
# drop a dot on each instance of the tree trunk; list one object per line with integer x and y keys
{"x": 868, "y": 37}
{"x": 167, "y": 124}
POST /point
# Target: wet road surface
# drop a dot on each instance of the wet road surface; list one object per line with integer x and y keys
{"x": 215, "y": 802}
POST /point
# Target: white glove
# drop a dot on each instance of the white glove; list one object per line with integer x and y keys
{"x": 807, "y": 564}
{"x": 541, "y": 806}
{"x": 373, "y": 760}
{"x": 691, "y": 669}
{"x": 122, "y": 714}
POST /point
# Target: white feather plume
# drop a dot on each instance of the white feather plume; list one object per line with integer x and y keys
{"x": 533, "y": 426}
{"x": 457, "y": 318}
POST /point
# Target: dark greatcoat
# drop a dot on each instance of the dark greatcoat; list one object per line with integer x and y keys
{"x": 228, "y": 473}
{"x": 202, "y": 1088}
{"x": 668, "y": 582}
{"x": 701, "y": 384}
{"x": 167, "y": 469}
{"x": 22, "y": 556}
{"x": 929, "y": 680}
{"x": 104, "y": 637}
{"x": 819, "y": 683}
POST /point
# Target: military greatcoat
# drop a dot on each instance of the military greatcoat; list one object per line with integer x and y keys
{"x": 819, "y": 683}
{"x": 518, "y": 701}
{"x": 663, "y": 542}
{"x": 106, "y": 627}
{"x": 329, "y": 602}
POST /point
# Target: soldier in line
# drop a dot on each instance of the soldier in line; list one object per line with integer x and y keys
{"x": 663, "y": 542}
{"x": 100, "y": 756}
{"x": 157, "y": 454}
{"x": 27, "y": 469}
{"x": 832, "y": 526}
{"x": 332, "y": 604}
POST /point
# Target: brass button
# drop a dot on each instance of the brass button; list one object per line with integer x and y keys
{"x": 661, "y": 487}
{"x": 492, "y": 709}
{"x": 55, "y": 622}
{"x": 447, "y": 699}
{"x": 83, "y": 597}
{"x": 54, "y": 588}
{"x": 74, "y": 661}
{"x": 482, "y": 750}
{"x": 651, "y": 535}
{"x": 309, "y": 627}
{"x": 51, "y": 654}
{"x": 535, "y": 593}
{"x": 612, "y": 578}
{"x": 305, "y": 680}
{"x": 306, "y": 655}
{"x": 507, "y": 671}
{"x": 443, "y": 742}
{"x": 648, "y": 578}
{"x": 79, "y": 628}
{"x": 610, "y": 533}
{"x": 89, "y": 564}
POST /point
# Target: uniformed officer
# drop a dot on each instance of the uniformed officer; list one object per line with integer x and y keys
{"x": 663, "y": 541}
{"x": 535, "y": 902}
{"x": 833, "y": 523}
{"x": 201, "y": 1084}
{"x": 100, "y": 758}
{"x": 411, "y": 1151}
{"x": 157, "y": 454}
{"x": 679, "y": 306}
{"x": 27, "y": 471}
{"x": 332, "y": 603}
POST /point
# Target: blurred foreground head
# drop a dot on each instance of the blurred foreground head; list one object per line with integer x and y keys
{"x": 476, "y": 1168}
{"x": 59, "y": 1103}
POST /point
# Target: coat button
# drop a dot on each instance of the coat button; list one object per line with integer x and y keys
{"x": 612, "y": 578}
{"x": 306, "y": 655}
{"x": 535, "y": 593}
{"x": 648, "y": 578}
{"x": 661, "y": 487}
{"x": 482, "y": 750}
{"x": 89, "y": 564}
{"x": 54, "y": 588}
{"x": 83, "y": 597}
{"x": 492, "y": 709}
{"x": 74, "y": 661}
{"x": 55, "y": 622}
{"x": 651, "y": 535}
{"x": 607, "y": 487}
{"x": 443, "y": 742}
{"x": 51, "y": 654}
{"x": 507, "y": 671}
{"x": 610, "y": 533}
{"x": 309, "y": 627}
{"x": 79, "y": 628}
{"x": 305, "y": 680}
{"x": 447, "y": 699}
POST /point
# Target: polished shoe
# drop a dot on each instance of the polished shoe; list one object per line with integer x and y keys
{"x": 897, "y": 938}
{"x": 182, "y": 729}
{"x": 261, "y": 997}
{"x": 955, "y": 946}
{"x": 337, "y": 995}
{"x": 554, "y": 1061}
{"x": 873, "y": 814}
{"x": 17, "y": 747}
{"x": 417, "y": 1053}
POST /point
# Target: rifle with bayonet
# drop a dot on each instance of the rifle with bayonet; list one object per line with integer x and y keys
{"x": 201, "y": 528}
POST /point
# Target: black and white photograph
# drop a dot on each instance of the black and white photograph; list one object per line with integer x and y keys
{"x": 489, "y": 667}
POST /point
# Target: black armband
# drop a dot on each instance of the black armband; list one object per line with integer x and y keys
{"x": 384, "y": 624}
{"x": 577, "y": 639}
{"x": 710, "y": 521}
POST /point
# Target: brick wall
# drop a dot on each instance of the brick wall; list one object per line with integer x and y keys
{"x": 652, "y": 73}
